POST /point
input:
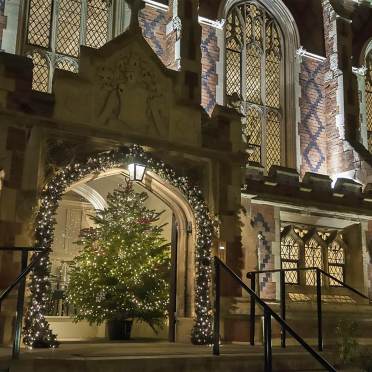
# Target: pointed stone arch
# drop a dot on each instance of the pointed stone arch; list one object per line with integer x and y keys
{"x": 37, "y": 331}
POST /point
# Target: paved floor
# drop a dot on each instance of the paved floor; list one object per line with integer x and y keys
{"x": 133, "y": 349}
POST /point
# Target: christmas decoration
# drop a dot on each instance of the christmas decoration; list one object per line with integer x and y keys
{"x": 122, "y": 271}
{"x": 36, "y": 330}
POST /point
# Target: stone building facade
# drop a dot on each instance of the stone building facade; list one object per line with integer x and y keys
{"x": 273, "y": 121}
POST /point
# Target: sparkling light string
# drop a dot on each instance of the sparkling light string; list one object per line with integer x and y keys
{"x": 37, "y": 332}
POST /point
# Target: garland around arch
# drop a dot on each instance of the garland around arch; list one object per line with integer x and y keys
{"x": 37, "y": 332}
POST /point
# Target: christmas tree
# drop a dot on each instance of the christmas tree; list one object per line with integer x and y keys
{"x": 122, "y": 270}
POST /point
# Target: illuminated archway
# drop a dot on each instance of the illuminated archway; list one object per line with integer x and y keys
{"x": 37, "y": 331}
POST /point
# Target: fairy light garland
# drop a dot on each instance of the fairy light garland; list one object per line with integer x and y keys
{"x": 37, "y": 332}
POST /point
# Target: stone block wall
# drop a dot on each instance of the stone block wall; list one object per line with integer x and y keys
{"x": 312, "y": 128}
{"x": 210, "y": 56}
{"x": 369, "y": 250}
{"x": 2, "y": 19}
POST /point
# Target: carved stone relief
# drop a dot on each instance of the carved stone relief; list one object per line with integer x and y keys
{"x": 132, "y": 95}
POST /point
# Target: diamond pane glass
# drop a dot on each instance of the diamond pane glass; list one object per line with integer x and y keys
{"x": 68, "y": 27}
{"x": 313, "y": 258}
{"x": 252, "y": 132}
{"x": 233, "y": 72}
{"x": 259, "y": 65}
{"x": 39, "y": 23}
{"x": 67, "y": 65}
{"x": 272, "y": 80}
{"x": 40, "y": 73}
{"x": 97, "y": 23}
{"x": 337, "y": 272}
{"x": 289, "y": 253}
{"x": 336, "y": 261}
{"x": 253, "y": 75}
{"x": 272, "y": 139}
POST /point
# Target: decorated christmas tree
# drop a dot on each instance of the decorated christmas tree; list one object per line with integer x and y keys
{"x": 122, "y": 270}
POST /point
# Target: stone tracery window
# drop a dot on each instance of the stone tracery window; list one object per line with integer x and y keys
{"x": 302, "y": 247}
{"x": 55, "y": 31}
{"x": 254, "y": 66}
{"x": 369, "y": 99}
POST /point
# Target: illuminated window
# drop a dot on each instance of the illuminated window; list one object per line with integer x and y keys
{"x": 290, "y": 255}
{"x": 336, "y": 262}
{"x": 253, "y": 74}
{"x": 303, "y": 247}
{"x": 369, "y": 99}
{"x": 313, "y": 258}
{"x": 55, "y": 31}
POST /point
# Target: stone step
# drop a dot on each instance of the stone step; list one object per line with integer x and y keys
{"x": 158, "y": 357}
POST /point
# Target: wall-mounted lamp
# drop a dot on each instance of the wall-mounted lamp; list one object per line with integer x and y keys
{"x": 136, "y": 171}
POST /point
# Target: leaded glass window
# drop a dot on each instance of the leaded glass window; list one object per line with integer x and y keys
{"x": 313, "y": 258}
{"x": 55, "y": 31}
{"x": 254, "y": 74}
{"x": 290, "y": 255}
{"x": 369, "y": 99}
{"x": 336, "y": 262}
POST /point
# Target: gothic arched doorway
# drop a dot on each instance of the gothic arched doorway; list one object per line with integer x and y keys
{"x": 194, "y": 240}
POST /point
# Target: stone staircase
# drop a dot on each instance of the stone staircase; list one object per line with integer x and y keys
{"x": 157, "y": 357}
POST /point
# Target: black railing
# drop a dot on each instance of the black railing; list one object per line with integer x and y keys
{"x": 268, "y": 315}
{"x": 21, "y": 282}
{"x": 319, "y": 272}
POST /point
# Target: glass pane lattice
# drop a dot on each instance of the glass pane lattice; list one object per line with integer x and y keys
{"x": 97, "y": 21}
{"x": 336, "y": 262}
{"x": 313, "y": 258}
{"x": 68, "y": 28}
{"x": 253, "y": 69}
{"x": 40, "y": 73}
{"x": 290, "y": 253}
{"x": 252, "y": 133}
{"x": 273, "y": 133}
{"x": 39, "y": 23}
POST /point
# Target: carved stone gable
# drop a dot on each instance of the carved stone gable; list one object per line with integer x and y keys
{"x": 131, "y": 93}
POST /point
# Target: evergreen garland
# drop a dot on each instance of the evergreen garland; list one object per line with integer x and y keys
{"x": 36, "y": 330}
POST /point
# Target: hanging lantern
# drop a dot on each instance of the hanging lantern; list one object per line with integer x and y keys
{"x": 136, "y": 171}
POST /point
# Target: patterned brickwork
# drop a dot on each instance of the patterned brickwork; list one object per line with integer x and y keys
{"x": 263, "y": 223}
{"x": 210, "y": 56}
{"x": 340, "y": 156}
{"x": 312, "y": 129}
{"x": 2, "y": 19}
{"x": 153, "y": 23}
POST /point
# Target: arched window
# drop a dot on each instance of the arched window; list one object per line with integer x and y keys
{"x": 336, "y": 262}
{"x": 313, "y": 258}
{"x": 254, "y": 73}
{"x": 369, "y": 98}
{"x": 290, "y": 256}
{"x": 56, "y": 29}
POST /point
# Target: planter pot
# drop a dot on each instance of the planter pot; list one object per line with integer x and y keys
{"x": 119, "y": 329}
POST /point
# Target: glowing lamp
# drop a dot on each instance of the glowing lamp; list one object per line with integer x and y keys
{"x": 136, "y": 171}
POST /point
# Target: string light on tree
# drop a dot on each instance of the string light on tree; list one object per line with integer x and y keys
{"x": 37, "y": 332}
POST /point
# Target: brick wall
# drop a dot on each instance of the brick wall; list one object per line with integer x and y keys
{"x": 312, "y": 128}
{"x": 340, "y": 156}
{"x": 262, "y": 230}
{"x": 2, "y": 19}
{"x": 153, "y": 23}
{"x": 210, "y": 56}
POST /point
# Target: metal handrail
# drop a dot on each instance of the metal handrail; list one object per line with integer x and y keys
{"x": 252, "y": 276}
{"x": 310, "y": 269}
{"x": 21, "y": 276}
{"x": 268, "y": 314}
{"x": 21, "y": 281}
